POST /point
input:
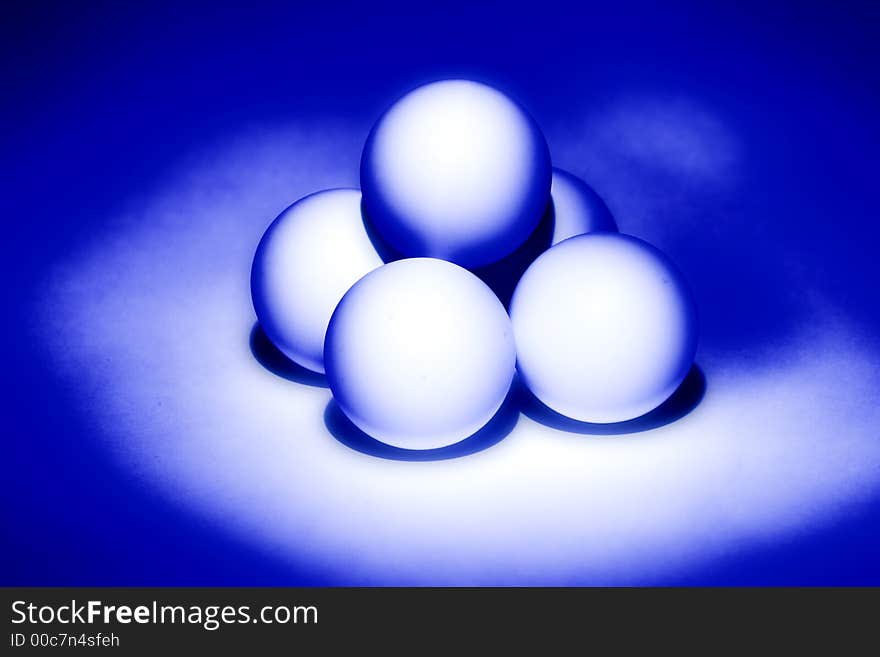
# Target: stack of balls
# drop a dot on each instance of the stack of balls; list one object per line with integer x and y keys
{"x": 385, "y": 289}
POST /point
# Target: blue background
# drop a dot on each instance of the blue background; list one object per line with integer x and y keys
{"x": 100, "y": 98}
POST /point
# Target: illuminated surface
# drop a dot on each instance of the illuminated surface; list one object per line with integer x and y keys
{"x": 456, "y": 170}
{"x": 307, "y": 259}
{"x": 577, "y": 208}
{"x": 784, "y": 440}
{"x": 605, "y": 326}
{"x": 420, "y": 353}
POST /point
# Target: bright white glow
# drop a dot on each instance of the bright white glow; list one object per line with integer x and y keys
{"x": 605, "y": 327}
{"x": 158, "y": 310}
{"x": 420, "y": 353}
{"x": 308, "y": 258}
{"x": 456, "y": 170}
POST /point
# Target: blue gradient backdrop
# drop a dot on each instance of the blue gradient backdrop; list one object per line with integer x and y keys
{"x": 99, "y": 99}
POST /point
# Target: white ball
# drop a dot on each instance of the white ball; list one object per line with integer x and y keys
{"x": 307, "y": 259}
{"x": 577, "y": 209}
{"x": 456, "y": 170}
{"x": 605, "y": 327}
{"x": 420, "y": 354}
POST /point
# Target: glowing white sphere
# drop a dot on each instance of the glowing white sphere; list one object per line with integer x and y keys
{"x": 420, "y": 354}
{"x": 307, "y": 259}
{"x": 605, "y": 327}
{"x": 577, "y": 209}
{"x": 455, "y": 170}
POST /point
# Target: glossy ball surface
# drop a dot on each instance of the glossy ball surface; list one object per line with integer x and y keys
{"x": 455, "y": 170}
{"x": 605, "y": 327}
{"x": 306, "y": 261}
{"x": 577, "y": 209}
{"x": 420, "y": 354}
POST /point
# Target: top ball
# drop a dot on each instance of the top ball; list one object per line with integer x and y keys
{"x": 455, "y": 170}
